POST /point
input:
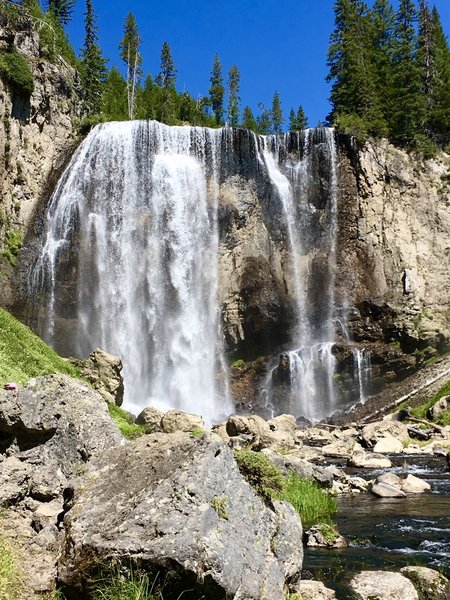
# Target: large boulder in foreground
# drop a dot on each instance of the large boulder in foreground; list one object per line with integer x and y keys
{"x": 55, "y": 420}
{"x": 176, "y": 504}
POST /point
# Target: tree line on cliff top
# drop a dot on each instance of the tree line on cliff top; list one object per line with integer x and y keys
{"x": 389, "y": 72}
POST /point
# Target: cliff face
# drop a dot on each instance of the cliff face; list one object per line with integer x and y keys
{"x": 36, "y": 133}
{"x": 392, "y": 285}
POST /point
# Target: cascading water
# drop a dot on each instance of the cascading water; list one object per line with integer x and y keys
{"x": 311, "y": 223}
{"x": 135, "y": 217}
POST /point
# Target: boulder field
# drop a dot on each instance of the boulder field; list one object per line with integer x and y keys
{"x": 79, "y": 498}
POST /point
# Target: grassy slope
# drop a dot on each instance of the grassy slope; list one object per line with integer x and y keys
{"x": 23, "y": 355}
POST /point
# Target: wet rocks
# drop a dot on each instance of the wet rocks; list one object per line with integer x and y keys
{"x": 390, "y": 485}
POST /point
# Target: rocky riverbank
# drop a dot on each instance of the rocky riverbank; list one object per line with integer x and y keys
{"x": 78, "y": 497}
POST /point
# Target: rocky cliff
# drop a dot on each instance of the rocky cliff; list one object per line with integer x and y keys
{"x": 36, "y": 134}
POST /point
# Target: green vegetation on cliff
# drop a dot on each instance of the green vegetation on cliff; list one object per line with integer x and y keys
{"x": 14, "y": 67}
{"x": 10, "y": 582}
{"x": 23, "y": 355}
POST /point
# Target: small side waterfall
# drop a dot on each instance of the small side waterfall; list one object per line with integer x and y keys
{"x": 135, "y": 217}
{"x": 310, "y": 207}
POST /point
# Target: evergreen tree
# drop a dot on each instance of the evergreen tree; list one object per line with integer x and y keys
{"x": 354, "y": 94}
{"x": 297, "y": 121}
{"x": 439, "y": 83}
{"x": 148, "y": 99}
{"x": 167, "y": 73}
{"x": 217, "y": 91}
{"x": 62, "y": 9}
{"x": 114, "y": 97}
{"x": 233, "y": 96}
{"x": 264, "y": 120}
{"x": 248, "y": 120}
{"x": 129, "y": 53}
{"x": 382, "y": 22}
{"x": 93, "y": 65}
{"x": 409, "y": 103}
{"x": 276, "y": 114}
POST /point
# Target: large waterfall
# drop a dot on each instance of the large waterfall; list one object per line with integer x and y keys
{"x": 137, "y": 208}
{"x": 129, "y": 260}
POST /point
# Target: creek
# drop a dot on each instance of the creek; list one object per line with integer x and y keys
{"x": 389, "y": 533}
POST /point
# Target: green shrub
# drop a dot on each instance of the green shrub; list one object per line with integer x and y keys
{"x": 125, "y": 422}
{"x": 313, "y": 504}
{"x": 10, "y": 582}
{"x": 13, "y": 244}
{"x": 16, "y": 70}
{"x": 266, "y": 479}
{"x": 238, "y": 364}
{"x": 24, "y": 355}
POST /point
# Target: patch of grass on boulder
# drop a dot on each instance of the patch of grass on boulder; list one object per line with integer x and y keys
{"x": 266, "y": 479}
{"x": 313, "y": 504}
{"x": 124, "y": 422}
{"x": 421, "y": 411}
{"x": 24, "y": 355}
{"x": 116, "y": 585}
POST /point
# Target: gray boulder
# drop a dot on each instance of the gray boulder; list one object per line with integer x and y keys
{"x": 56, "y": 421}
{"x": 439, "y": 408}
{"x": 176, "y": 420}
{"x": 382, "y": 585}
{"x": 151, "y": 418}
{"x": 315, "y": 590}
{"x": 180, "y": 506}
{"x": 104, "y": 373}
{"x": 430, "y": 584}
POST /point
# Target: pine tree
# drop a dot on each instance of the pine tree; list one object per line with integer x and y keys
{"x": 297, "y": 121}
{"x": 248, "y": 120}
{"x": 114, "y": 98}
{"x": 62, "y": 9}
{"x": 354, "y": 94}
{"x": 129, "y": 53}
{"x": 276, "y": 114}
{"x": 409, "y": 103}
{"x": 217, "y": 91}
{"x": 264, "y": 120}
{"x": 93, "y": 64}
{"x": 382, "y": 29}
{"x": 439, "y": 83}
{"x": 167, "y": 73}
{"x": 233, "y": 96}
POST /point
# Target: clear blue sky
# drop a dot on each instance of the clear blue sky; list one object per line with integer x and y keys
{"x": 277, "y": 44}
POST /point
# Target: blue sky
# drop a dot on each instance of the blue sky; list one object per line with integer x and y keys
{"x": 277, "y": 44}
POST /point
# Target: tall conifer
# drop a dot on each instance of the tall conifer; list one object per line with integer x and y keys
{"x": 277, "y": 114}
{"x": 217, "y": 90}
{"x": 93, "y": 64}
{"x": 233, "y": 97}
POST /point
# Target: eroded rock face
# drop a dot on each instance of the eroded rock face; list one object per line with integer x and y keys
{"x": 181, "y": 505}
{"x": 36, "y": 134}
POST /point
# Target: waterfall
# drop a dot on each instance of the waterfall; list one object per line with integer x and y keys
{"x": 135, "y": 218}
{"x": 309, "y": 201}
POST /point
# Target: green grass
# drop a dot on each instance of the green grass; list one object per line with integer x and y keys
{"x": 312, "y": 503}
{"x": 23, "y": 355}
{"x": 10, "y": 581}
{"x": 116, "y": 586}
{"x": 125, "y": 422}
{"x": 13, "y": 245}
{"x": 420, "y": 412}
